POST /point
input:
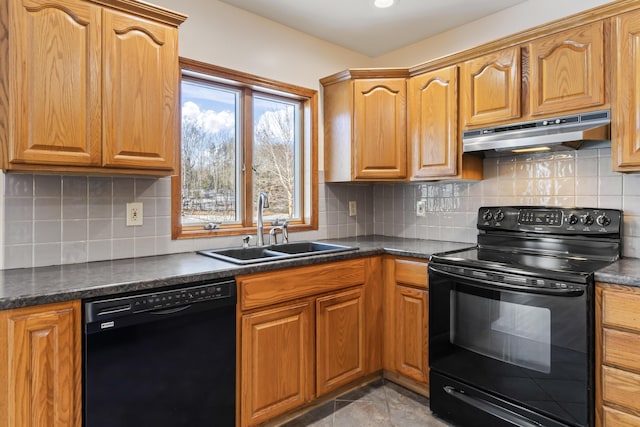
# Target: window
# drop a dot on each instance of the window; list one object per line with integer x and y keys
{"x": 242, "y": 135}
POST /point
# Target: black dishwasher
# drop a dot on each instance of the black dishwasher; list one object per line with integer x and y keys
{"x": 161, "y": 358}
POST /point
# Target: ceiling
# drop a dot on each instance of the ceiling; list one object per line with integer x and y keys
{"x": 359, "y": 26}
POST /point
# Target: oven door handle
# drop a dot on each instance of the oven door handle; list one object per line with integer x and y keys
{"x": 491, "y": 408}
{"x": 487, "y": 284}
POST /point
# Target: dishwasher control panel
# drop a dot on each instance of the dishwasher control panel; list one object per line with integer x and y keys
{"x": 168, "y": 299}
{"x": 160, "y": 301}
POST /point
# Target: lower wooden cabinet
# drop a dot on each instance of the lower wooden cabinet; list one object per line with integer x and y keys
{"x": 339, "y": 339}
{"x": 305, "y": 332}
{"x": 412, "y": 339}
{"x": 618, "y": 367}
{"x": 276, "y": 364}
{"x": 40, "y": 371}
{"x": 406, "y": 340}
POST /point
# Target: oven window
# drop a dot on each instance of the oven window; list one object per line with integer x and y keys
{"x": 511, "y": 332}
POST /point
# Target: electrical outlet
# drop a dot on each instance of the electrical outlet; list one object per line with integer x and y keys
{"x": 134, "y": 214}
{"x": 421, "y": 208}
{"x": 353, "y": 209}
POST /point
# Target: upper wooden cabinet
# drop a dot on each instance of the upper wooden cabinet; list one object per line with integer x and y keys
{"x": 141, "y": 95}
{"x": 567, "y": 70}
{"x": 434, "y": 141}
{"x": 40, "y": 371}
{"x": 433, "y": 123}
{"x": 53, "y": 78}
{"x": 365, "y": 125}
{"x": 84, "y": 88}
{"x": 560, "y": 73}
{"x": 625, "y": 106}
{"x": 490, "y": 88}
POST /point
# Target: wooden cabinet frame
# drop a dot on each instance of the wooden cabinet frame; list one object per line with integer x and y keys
{"x": 577, "y": 59}
{"x": 365, "y": 126}
{"x": 617, "y": 366}
{"x": 625, "y": 137}
{"x": 40, "y": 366}
{"x": 490, "y": 88}
{"x": 89, "y": 86}
{"x": 406, "y": 322}
{"x": 322, "y": 321}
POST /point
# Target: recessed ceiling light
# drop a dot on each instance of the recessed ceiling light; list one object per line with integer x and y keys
{"x": 383, "y": 3}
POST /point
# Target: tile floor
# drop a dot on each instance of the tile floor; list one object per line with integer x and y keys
{"x": 378, "y": 404}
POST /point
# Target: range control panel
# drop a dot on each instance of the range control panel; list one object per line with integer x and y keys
{"x": 552, "y": 220}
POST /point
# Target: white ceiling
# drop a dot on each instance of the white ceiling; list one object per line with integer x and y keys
{"x": 359, "y": 26}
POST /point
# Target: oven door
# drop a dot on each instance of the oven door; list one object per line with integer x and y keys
{"x": 525, "y": 345}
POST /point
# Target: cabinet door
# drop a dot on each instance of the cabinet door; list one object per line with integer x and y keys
{"x": 40, "y": 366}
{"x": 615, "y": 418}
{"x": 380, "y": 130}
{"x": 412, "y": 337}
{"x": 54, "y": 108}
{"x": 625, "y": 125}
{"x": 140, "y": 93}
{"x": 567, "y": 70}
{"x": 490, "y": 87}
{"x": 339, "y": 339}
{"x": 276, "y": 362}
{"x": 433, "y": 123}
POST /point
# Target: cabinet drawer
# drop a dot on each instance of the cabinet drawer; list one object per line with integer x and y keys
{"x": 613, "y": 418}
{"x": 257, "y": 290}
{"x": 411, "y": 273}
{"x": 620, "y": 348}
{"x": 621, "y": 309}
{"x": 620, "y": 387}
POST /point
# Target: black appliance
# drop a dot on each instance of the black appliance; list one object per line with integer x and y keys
{"x": 511, "y": 320}
{"x": 161, "y": 358}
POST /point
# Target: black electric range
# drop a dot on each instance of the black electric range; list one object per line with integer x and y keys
{"x": 511, "y": 319}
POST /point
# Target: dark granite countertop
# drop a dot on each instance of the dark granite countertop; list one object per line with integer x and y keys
{"x": 623, "y": 272}
{"x": 42, "y": 285}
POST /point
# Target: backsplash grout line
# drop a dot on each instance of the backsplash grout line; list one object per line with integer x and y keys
{"x": 569, "y": 178}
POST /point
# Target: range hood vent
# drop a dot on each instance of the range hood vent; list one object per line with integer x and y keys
{"x": 552, "y": 134}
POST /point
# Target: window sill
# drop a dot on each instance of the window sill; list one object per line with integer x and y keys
{"x": 198, "y": 233}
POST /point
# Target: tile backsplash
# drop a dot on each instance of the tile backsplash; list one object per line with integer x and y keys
{"x": 570, "y": 178}
{"x": 50, "y": 219}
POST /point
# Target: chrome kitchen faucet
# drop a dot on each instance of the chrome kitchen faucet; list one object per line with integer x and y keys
{"x": 263, "y": 202}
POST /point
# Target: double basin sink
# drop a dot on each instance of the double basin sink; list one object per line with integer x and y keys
{"x": 278, "y": 252}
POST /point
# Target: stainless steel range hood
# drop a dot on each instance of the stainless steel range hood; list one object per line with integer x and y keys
{"x": 551, "y": 134}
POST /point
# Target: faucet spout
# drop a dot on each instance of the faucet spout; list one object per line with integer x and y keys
{"x": 263, "y": 202}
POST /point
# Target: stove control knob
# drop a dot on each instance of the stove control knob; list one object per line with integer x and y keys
{"x": 499, "y": 215}
{"x": 573, "y": 219}
{"x": 603, "y": 220}
{"x": 487, "y": 216}
{"x": 587, "y": 219}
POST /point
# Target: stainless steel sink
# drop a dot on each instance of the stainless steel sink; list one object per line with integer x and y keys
{"x": 310, "y": 248}
{"x": 273, "y": 253}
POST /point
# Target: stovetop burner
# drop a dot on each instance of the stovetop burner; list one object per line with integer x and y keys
{"x": 561, "y": 268}
{"x": 559, "y": 243}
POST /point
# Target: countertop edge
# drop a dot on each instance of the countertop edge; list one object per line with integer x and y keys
{"x": 43, "y": 285}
